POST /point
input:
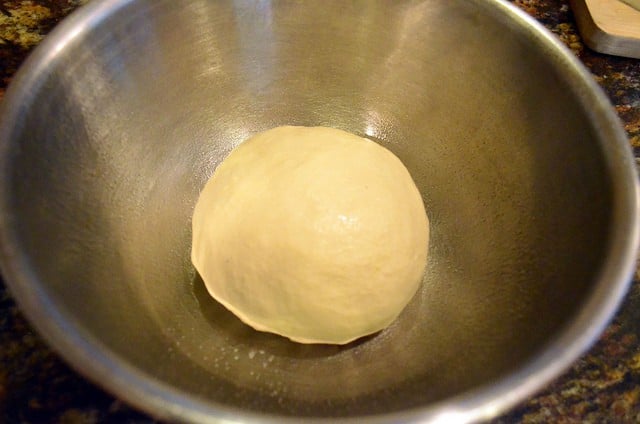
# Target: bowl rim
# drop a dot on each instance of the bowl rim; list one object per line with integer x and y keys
{"x": 90, "y": 357}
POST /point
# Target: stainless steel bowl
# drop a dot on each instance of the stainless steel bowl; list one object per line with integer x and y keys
{"x": 114, "y": 124}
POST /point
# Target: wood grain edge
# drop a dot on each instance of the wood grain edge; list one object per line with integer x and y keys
{"x": 599, "y": 38}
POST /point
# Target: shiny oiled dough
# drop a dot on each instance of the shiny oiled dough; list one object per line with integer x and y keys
{"x": 312, "y": 233}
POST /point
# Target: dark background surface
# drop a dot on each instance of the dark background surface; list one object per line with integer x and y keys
{"x": 602, "y": 387}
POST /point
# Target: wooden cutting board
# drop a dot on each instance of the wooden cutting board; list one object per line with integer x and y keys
{"x": 609, "y": 26}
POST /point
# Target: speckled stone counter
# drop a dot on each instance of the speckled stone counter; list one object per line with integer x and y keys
{"x": 602, "y": 387}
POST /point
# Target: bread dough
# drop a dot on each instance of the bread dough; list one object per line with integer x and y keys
{"x": 312, "y": 233}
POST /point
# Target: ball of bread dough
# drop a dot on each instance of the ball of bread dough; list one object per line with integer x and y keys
{"x": 312, "y": 233}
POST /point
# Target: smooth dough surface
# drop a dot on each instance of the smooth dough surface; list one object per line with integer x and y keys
{"x": 312, "y": 233}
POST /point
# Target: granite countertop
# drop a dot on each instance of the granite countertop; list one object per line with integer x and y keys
{"x": 602, "y": 387}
